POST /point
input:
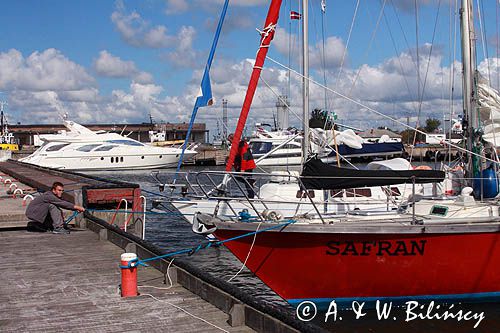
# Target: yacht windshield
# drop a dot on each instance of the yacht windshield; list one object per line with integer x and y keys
{"x": 105, "y": 148}
{"x": 88, "y": 148}
{"x": 57, "y": 147}
{"x": 261, "y": 147}
{"x": 126, "y": 142}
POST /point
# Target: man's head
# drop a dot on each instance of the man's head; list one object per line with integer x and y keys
{"x": 58, "y": 189}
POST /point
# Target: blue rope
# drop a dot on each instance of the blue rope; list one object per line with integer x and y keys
{"x": 136, "y": 262}
{"x": 134, "y": 212}
{"x": 155, "y": 193}
{"x": 75, "y": 213}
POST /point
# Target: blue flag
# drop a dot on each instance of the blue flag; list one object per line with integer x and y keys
{"x": 204, "y": 98}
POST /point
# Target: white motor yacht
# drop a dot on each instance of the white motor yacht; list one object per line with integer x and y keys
{"x": 79, "y": 148}
{"x": 276, "y": 147}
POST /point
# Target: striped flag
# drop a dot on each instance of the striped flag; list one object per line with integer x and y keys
{"x": 295, "y": 15}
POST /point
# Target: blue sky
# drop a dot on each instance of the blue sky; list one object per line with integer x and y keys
{"x": 118, "y": 61}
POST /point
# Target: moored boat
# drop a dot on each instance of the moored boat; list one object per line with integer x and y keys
{"x": 438, "y": 248}
{"x": 82, "y": 149}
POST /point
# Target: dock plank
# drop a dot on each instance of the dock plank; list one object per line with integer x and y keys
{"x": 70, "y": 283}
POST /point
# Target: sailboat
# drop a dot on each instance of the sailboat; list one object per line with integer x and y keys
{"x": 438, "y": 248}
{"x": 281, "y": 194}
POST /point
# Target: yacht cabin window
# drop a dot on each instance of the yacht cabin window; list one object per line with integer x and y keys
{"x": 88, "y": 148}
{"x": 260, "y": 147}
{"x": 105, "y": 148}
{"x": 56, "y": 147}
{"x": 126, "y": 142}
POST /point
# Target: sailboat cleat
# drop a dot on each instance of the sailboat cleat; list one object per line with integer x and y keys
{"x": 202, "y": 224}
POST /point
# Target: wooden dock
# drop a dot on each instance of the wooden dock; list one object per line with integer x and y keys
{"x": 70, "y": 283}
{"x": 210, "y": 157}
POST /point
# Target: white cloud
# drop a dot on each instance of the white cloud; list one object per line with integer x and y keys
{"x": 48, "y": 70}
{"x": 176, "y": 6}
{"x": 109, "y": 65}
{"x": 112, "y": 66}
{"x": 143, "y": 77}
{"x": 334, "y": 49}
{"x": 184, "y": 55}
{"x": 138, "y": 32}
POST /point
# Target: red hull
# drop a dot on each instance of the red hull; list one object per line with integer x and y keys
{"x": 299, "y": 265}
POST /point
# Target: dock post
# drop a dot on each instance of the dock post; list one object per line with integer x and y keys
{"x": 129, "y": 275}
{"x": 103, "y": 234}
{"x": 237, "y": 315}
{"x": 79, "y": 220}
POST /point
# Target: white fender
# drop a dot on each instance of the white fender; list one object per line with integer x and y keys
{"x": 200, "y": 222}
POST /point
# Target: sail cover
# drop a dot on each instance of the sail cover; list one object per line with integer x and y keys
{"x": 320, "y": 176}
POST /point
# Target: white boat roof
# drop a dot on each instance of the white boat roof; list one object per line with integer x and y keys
{"x": 392, "y": 164}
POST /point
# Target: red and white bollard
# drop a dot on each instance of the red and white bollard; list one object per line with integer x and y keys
{"x": 129, "y": 275}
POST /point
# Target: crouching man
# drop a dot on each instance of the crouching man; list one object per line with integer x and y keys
{"x": 44, "y": 212}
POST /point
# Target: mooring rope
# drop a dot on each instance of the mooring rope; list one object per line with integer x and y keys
{"x": 248, "y": 254}
{"x": 193, "y": 250}
{"x": 135, "y": 212}
{"x": 185, "y": 311}
{"x": 75, "y": 214}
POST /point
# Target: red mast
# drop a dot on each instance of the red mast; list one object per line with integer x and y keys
{"x": 266, "y": 37}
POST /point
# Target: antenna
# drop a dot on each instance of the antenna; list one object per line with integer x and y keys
{"x": 224, "y": 119}
{"x": 124, "y": 130}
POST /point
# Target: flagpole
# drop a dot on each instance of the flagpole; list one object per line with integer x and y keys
{"x": 206, "y": 90}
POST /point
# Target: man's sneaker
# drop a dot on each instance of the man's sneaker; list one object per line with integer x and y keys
{"x": 60, "y": 230}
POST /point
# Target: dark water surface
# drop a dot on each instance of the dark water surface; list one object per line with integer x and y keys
{"x": 173, "y": 233}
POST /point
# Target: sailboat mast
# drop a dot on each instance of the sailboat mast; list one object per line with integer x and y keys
{"x": 266, "y": 37}
{"x": 468, "y": 63}
{"x": 305, "y": 80}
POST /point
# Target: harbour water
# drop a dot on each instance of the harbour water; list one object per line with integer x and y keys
{"x": 171, "y": 232}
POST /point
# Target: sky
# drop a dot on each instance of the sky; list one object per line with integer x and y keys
{"x": 102, "y": 61}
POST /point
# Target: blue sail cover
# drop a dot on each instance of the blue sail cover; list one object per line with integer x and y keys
{"x": 370, "y": 149}
{"x": 205, "y": 96}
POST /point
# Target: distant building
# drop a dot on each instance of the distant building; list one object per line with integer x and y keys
{"x": 26, "y": 134}
{"x": 434, "y": 138}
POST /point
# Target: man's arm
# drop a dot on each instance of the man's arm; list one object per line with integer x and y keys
{"x": 53, "y": 199}
{"x": 79, "y": 208}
